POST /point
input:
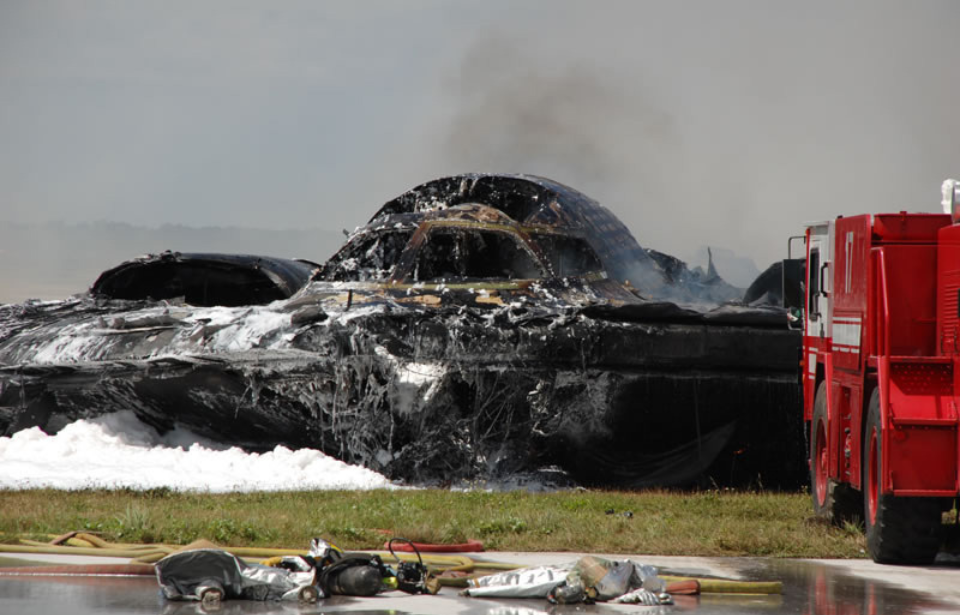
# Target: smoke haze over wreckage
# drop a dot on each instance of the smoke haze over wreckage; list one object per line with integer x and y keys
{"x": 479, "y": 326}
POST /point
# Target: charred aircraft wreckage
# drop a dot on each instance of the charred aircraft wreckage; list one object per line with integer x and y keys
{"x": 478, "y": 327}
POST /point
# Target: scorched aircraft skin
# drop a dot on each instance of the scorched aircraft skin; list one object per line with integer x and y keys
{"x": 479, "y": 326}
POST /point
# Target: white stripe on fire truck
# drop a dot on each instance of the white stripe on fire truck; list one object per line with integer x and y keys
{"x": 846, "y": 334}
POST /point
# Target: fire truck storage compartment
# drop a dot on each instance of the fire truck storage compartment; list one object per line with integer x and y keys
{"x": 948, "y": 294}
{"x": 922, "y": 415}
{"x": 910, "y": 297}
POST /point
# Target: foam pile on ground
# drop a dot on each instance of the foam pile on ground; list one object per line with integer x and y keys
{"x": 118, "y": 451}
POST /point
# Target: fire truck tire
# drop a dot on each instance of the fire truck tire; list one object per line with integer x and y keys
{"x": 833, "y": 501}
{"x": 900, "y": 530}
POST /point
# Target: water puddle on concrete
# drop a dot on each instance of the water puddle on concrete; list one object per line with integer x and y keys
{"x": 809, "y": 589}
{"x": 816, "y": 589}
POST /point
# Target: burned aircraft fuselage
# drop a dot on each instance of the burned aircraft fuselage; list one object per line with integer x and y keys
{"x": 478, "y": 326}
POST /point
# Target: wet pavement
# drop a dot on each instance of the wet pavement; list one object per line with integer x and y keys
{"x": 810, "y": 587}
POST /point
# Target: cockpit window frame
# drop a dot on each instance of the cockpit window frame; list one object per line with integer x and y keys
{"x": 537, "y": 237}
{"x": 367, "y": 236}
{"x": 409, "y": 274}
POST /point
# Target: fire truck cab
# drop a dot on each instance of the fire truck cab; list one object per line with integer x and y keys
{"x": 881, "y": 373}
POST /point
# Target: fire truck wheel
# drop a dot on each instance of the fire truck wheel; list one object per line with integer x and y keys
{"x": 832, "y": 501}
{"x": 900, "y": 530}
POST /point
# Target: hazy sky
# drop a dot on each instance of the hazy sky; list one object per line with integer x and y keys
{"x": 720, "y": 123}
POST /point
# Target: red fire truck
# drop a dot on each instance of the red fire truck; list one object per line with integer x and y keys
{"x": 881, "y": 374}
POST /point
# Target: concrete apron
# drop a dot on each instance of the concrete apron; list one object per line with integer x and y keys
{"x": 813, "y": 587}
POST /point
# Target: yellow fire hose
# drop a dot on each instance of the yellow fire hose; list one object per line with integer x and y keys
{"x": 89, "y": 544}
{"x": 96, "y": 551}
{"x": 448, "y": 562}
{"x": 724, "y": 586}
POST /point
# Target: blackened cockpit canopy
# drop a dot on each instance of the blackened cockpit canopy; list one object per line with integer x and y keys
{"x": 205, "y": 279}
{"x": 538, "y": 201}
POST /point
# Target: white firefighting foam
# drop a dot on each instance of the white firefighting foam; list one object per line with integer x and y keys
{"x": 118, "y": 451}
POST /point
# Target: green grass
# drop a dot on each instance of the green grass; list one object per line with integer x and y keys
{"x": 707, "y": 523}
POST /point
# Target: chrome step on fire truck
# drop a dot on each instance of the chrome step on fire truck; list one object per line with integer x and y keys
{"x": 881, "y": 374}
